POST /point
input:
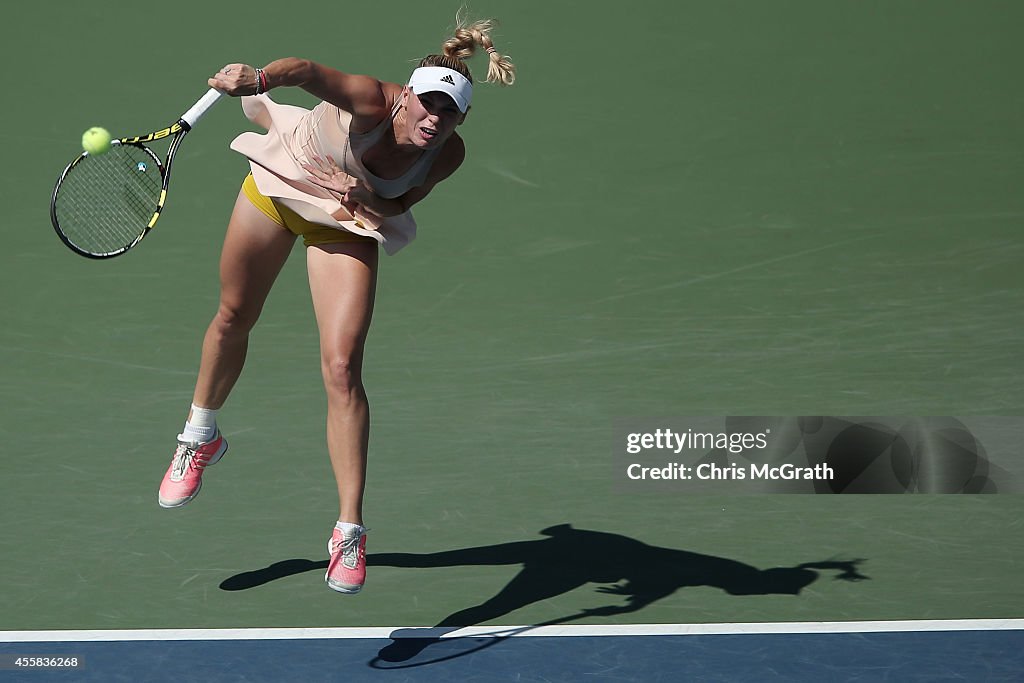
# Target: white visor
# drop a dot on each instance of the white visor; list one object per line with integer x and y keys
{"x": 441, "y": 79}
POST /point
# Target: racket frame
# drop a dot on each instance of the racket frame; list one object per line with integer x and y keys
{"x": 178, "y": 129}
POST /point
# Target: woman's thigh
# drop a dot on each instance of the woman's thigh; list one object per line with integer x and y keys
{"x": 342, "y": 282}
{"x": 255, "y": 249}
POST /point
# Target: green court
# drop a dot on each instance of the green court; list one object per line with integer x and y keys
{"x": 708, "y": 208}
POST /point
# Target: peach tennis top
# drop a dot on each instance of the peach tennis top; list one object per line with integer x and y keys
{"x": 294, "y": 136}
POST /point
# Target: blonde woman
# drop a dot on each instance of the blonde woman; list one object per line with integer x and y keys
{"x": 344, "y": 176}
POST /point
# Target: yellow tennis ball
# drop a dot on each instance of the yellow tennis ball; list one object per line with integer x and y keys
{"x": 96, "y": 141}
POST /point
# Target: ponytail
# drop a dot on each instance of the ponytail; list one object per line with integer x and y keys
{"x": 463, "y": 44}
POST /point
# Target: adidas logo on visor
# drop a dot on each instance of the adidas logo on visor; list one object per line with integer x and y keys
{"x": 449, "y": 80}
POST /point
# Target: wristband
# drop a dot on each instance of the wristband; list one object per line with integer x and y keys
{"x": 261, "y": 82}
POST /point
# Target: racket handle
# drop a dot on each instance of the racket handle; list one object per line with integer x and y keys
{"x": 199, "y": 108}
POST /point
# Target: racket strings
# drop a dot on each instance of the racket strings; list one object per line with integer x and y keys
{"x": 105, "y": 202}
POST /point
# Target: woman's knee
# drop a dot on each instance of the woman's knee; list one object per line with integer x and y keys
{"x": 342, "y": 372}
{"x": 233, "y": 319}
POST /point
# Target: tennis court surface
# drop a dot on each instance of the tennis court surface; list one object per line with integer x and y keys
{"x": 714, "y": 209}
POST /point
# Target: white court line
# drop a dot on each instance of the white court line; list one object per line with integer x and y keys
{"x": 386, "y": 632}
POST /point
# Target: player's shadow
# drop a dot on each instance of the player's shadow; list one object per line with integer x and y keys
{"x": 567, "y": 559}
{"x": 278, "y": 570}
{"x": 570, "y": 558}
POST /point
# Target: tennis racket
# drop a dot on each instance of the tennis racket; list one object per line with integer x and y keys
{"x": 104, "y": 204}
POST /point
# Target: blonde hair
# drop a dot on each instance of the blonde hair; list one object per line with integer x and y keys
{"x": 463, "y": 44}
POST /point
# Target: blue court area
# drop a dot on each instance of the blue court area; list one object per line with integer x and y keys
{"x": 521, "y": 655}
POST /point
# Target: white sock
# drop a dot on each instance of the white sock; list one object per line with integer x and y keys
{"x": 201, "y": 427}
{"x": 349, "y": 529}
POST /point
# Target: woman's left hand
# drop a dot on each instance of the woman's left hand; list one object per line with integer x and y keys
{"x": 328, "y": 175}
{"x": 350, "y": 191}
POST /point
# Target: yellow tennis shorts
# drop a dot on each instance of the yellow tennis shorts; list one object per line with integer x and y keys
{"x": 311, "y": 233}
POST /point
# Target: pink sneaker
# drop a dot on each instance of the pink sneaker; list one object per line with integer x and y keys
{"x": 185, "y": 475}
{"x": 346, "y": 571}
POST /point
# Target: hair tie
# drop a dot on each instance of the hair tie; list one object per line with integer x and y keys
{"x": 491, "y": 50}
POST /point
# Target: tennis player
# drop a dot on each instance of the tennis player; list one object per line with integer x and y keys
{"x": 344, "y": 177}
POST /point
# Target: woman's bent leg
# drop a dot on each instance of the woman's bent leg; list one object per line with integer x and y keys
{"x": 255, "y": 250}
